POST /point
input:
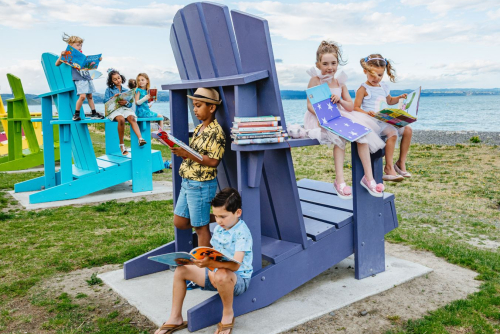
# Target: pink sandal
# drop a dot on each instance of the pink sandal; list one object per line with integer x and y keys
{"x": 373, "y": 188}
{"x": 343, "y": 190}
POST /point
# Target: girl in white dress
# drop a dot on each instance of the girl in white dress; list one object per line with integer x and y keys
{"x": 368, "y": 100}
{"x": 328, "y": 58}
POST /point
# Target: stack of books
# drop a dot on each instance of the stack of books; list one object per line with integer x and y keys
{"x": 257, "y": 130}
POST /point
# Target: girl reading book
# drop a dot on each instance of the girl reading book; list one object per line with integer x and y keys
{"x": 367, "y": 102}
{"x": 142, "y": 97}
{"x": 115, "y": 88}
{"x": 328, "y": 58}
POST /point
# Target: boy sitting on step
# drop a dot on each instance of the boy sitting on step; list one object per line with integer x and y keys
{"x": 232, "y": 238}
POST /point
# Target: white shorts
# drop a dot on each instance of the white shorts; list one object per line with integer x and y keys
{"x": 84, "y": 87}
{"x": 123, "y": 111}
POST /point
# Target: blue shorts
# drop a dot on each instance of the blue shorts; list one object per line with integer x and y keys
{"x": 194, "y": 201}
{"x": 241, "y": 285}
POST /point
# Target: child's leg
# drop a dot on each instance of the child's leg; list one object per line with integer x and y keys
{"x": 338, "y": 158}
{"x": 204, "y": 236}
{"x": 135, "y": 127}
{"x": 181, "y": 275}
{"x": 161, "y": 124}
{"x": 79, "y": 102}
{"x": 225, "y": 280}
{"x": 405, "y": 147}
{"x": 90, "y": 100}
{"x": 121, "y": 127}
{"x": 390, "y": 144}
{"x": 364, "y": 156}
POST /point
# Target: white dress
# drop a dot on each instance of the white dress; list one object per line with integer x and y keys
{"x": 314, "y": 131}
{"x": 372, "y": 102}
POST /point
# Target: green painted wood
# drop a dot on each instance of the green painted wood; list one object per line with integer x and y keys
{"x": 19, "y": 121}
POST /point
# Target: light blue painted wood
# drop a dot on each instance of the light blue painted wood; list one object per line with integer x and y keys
{"x": 48, "y": 135}
{"x": 141, "y": 160}
{"x": 88, "y": 174}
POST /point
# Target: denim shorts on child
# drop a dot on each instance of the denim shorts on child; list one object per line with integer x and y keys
{"x": 241, "y": 285}
{"x": 194, "y": 201}
{"x": 84, "y": 87}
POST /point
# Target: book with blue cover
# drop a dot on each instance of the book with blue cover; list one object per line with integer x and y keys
{"x": 78, "y": 60}
{"x": 329, "y": 115}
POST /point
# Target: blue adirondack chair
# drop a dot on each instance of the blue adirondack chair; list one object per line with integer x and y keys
{"x": 300, "y": 228}
{"x": 88, "y": 174}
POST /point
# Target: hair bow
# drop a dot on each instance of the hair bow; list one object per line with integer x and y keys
{"x": 111, "y": 70}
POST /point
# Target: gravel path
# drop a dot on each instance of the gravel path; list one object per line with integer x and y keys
{"x": 454, "y": 137}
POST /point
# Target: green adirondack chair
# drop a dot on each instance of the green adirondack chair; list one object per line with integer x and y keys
{"x": 19, "y": 120}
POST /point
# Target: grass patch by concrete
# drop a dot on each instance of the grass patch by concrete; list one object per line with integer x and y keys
{"x": 450, "y": 207}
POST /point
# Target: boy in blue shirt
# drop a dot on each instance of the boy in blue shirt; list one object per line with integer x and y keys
{"x": 232, "y": 238}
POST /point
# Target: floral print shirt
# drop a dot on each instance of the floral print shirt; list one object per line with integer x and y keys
{"x": 211, "y": 142}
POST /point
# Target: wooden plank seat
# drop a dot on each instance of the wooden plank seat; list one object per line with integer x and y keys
{"x": 88, "y": 173}
{"x": 301, "y": 229}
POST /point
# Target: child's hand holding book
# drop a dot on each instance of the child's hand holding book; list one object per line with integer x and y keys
{"x": 204, "y": 263}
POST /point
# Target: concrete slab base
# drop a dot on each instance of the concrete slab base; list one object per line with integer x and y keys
{"x": 332, "y": 290}
{"x": 122, "y": 191}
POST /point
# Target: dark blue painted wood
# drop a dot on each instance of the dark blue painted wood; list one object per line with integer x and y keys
{"x": 180, "y": 130}
{"x": 369, "y": 226}
{"x": 140, "y": 265}
{"x": 233, "y": 80}
{"x": 184, "y": 45}
{"x": 316, "y": 229}
{"x": 276, "y": 280}
{"x": 300, "y": 239}
{"x": 287, "y": 144}
{"x": 195, "y": 28}
{"x": 325, "y": 214}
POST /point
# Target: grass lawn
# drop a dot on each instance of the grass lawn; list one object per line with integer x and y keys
{"x": 451, "y": 207}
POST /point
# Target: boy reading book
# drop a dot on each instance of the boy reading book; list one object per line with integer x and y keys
{"x": 199, "y": 183}
{"x": 232, "y": 238}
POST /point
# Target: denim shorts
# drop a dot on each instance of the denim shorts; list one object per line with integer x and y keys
{"x": 84, "y": 87}
{"x": 241, "y": 285}
{"x": 194, "y": 201}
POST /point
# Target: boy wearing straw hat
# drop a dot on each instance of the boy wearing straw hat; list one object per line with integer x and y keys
{"x": 199, "y": 184}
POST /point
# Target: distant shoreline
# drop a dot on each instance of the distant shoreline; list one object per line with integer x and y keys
{"x": 163, "y": 96}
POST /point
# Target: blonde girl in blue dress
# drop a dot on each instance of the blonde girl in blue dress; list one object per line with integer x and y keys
{"x": 142, "y": 97}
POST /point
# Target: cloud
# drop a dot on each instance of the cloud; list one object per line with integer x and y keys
{"x": 442, "y": 7}
{"x": 31, "y": 74}
{"x": 357, "y": 23}
{"x": 23, "y": 15}
{"x": 17, "y": 14}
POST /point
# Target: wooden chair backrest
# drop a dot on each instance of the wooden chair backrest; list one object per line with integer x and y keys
{"x": 59, "y": 77}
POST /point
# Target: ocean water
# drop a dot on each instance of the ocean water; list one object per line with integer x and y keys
{"x": 449, "y": 113}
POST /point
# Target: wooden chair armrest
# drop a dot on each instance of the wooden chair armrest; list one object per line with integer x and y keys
{"x": 14, "y": 99}
{"x": 264, "y": 147}
{"x": 87, "y": 121}
{"x": 59, "y": 91}
{"x": 233, "y": 80}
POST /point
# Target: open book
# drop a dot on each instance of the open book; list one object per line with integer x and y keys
{"x": 170, "y": 141}
{"x": 329, "y": 115}
{"x": 78, "y": 60}
{"x": 404, "y": 114}
{"x": 183, "y": 258}
{"x": 112, "y": 104}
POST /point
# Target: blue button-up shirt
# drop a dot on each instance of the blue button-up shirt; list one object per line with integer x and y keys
{"x": 237, "y": 239}
{"x": 110, "y": 92}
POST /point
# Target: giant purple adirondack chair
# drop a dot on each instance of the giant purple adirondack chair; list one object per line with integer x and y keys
{"x": 300, "y": 228}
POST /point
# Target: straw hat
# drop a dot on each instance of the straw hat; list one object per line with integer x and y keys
{"x": 208, "y": 95}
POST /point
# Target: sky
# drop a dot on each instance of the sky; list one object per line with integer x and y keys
{"x": 432, "y": 43}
